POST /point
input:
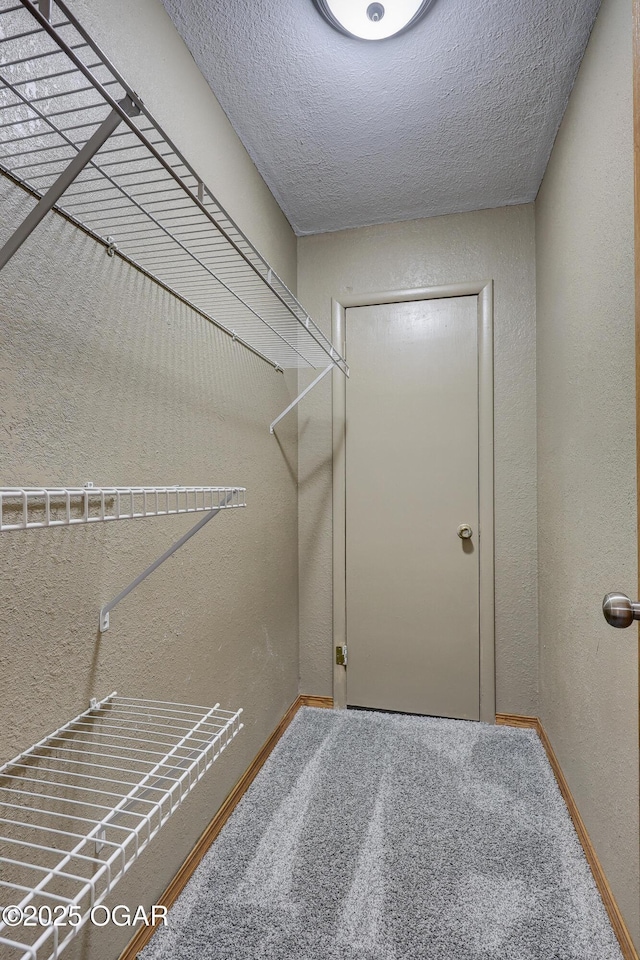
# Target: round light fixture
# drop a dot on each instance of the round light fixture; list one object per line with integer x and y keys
{"x": 372, "y": 21}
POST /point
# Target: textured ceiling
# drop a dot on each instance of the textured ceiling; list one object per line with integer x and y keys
{"x": 457, "y": 114}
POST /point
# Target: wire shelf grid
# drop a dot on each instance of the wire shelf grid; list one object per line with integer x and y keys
{"x": 79, "y": 807}
{"x": 138, "y": 194}
{"x": 28, "y": 508}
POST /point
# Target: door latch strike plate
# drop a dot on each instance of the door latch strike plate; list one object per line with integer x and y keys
{"x": 341, "y": 655}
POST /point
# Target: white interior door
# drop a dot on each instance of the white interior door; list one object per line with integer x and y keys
{"x": 412, "y": 583}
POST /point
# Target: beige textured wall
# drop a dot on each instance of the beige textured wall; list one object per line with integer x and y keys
{"x": 587, "y": 450}
{"x": 105, "y": 377}
{"x": 496, "y": 244}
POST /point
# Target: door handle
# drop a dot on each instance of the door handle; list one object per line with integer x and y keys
{"x": 464, "y": 531}
{"x": 619, "y": 611}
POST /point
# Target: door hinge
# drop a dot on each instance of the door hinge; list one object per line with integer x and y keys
{"x": 341, "y": 655}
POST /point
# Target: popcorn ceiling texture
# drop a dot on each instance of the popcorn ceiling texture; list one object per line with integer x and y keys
{"x": 458, "y": 114}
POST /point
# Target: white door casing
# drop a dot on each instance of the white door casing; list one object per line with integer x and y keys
{"x": 485, "y": 543}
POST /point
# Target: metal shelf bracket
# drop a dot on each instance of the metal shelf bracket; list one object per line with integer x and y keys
{"x": 128, "y": 185}
{"x": 66, "y": 178}
{"x": 104, "y": 619}
{"x": 302, "y": 395}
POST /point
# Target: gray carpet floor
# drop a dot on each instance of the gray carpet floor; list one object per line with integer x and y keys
{"x": 371, "y": 836}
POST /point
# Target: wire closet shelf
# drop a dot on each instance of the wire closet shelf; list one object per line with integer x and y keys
{"x": 78, "y": 808}
{"x": 29, "y": 508}
{"x": 71, "y": 128}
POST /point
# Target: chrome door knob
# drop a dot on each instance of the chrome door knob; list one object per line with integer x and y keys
{"x": 464, "y": 531}
{"x": 619, "y": 611}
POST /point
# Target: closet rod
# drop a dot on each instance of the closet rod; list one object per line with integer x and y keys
{"x": 113, "y": 249}
{"x": 194, "y": 249}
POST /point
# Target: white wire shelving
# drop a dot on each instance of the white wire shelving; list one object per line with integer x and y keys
{"x": 39, "y": 508}
{"x": 31, "y": 508}
{"x": 78, "y": 808}
{"x": 79, "y": 138}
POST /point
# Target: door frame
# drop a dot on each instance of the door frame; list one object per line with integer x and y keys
{"x": 484, "y": 291}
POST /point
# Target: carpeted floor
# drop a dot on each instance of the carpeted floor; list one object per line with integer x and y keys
{"x": 371, "y": 836}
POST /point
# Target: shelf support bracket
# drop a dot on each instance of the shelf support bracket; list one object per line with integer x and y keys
{"x": 104, "y": 624}
{"x": 66, "y": 178}
{"x": 303, "y": 394}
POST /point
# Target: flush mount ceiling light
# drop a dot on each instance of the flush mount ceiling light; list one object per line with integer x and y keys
{"x": 372, "y": 21}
